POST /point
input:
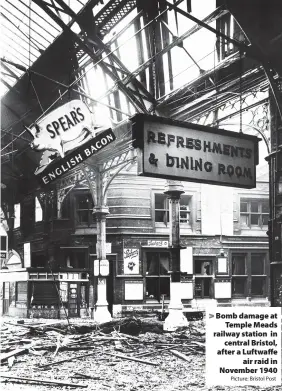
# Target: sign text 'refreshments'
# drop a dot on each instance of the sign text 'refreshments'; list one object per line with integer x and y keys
{"x": 183, "y": 151}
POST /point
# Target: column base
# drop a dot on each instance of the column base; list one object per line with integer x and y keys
{"x": 102, "y": 314}
{"x": 175, "y": 319}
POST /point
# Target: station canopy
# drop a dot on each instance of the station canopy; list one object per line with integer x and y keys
{"x": 123, "y": 57}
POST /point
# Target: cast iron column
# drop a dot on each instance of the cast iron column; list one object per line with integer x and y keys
{"x": 175, "y": 317}
{"x": 101, "y": 211}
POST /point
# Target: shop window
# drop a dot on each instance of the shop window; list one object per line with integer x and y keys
{"x": 157, "y": 277}
{"x": 203, "y": 267}
{"x": 38, "y": 210}
{"x": 248, "y": 274}
{"x": 21, "y": 291}
{"x": 203, "y": 278}
{"x": 84, "y": 209}
{"x": 75, "y": 259}
{"x": 45, "y": 294}
{"x": 239, "y": 264}
{"x": 239, "y": 286}
{"x": 254, "y": 213}
{"x": 257, "y": 286}
{"x": 162, "y": 209}
{"x": 239, "y": 276}
{"x": 203, "y": 288}
{"x": 257, "y": 270}
{"x": 257, "y": 264}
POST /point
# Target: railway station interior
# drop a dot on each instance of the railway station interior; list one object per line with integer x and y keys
{"x": 94, "y": 238}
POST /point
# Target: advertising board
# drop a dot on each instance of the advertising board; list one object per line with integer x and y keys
{"x": 184, "y": 151}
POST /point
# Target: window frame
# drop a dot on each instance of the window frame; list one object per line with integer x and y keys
{"x": 248, "y": 276}
{"x": 183, "y": 208}
{"x": 158, "y": 276}
{"x": 17, "y": 299}
{"x": 165, "y": 209}
{"x": 202, "y": 280}
{"x": 249, "y": 213}
{"x": 200, "y": 277}
{"x": 74, "y": 253}
{"x": 89, "y": 210}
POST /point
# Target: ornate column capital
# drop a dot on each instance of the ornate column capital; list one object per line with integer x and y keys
{"x": 174, "y": 189}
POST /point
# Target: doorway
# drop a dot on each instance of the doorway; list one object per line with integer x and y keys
{"x": 74, "y": 302}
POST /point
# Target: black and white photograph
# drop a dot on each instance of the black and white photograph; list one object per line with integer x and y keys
{"x": 141, "y": 195}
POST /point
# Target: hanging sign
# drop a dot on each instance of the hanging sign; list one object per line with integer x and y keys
{"x": 61, "y": 131}
{"x": 74, "y": 158}
{"x": 184, "y": 151}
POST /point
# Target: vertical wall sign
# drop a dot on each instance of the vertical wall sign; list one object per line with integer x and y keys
{"x": 96, "y": 267}
{"x": 186, "y": 260}
{"x": 27, "y": 256}
{"x": 131, "y": 260}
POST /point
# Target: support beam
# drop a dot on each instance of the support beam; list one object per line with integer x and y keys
{"x": 13, "y": 74}
{"x": 84, "y": 45}
{"x": 249, "y": 50}
{"x": 209, "y": 19}
{"x": 87, "y": 24}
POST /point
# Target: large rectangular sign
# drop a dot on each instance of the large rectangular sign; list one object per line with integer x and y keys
{"x": 189, "y": 152}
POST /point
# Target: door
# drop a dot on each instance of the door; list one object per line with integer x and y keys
{"x": 74, "y": 305}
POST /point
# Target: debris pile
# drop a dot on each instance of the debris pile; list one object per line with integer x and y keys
{"x": 58, "y": 349}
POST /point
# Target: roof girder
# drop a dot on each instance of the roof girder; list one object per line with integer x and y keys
{"x": 84, "y": 44}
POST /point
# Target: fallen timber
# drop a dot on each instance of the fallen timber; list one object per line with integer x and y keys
{"x": 41, "y": 381}
{"x": 107, "y": 346}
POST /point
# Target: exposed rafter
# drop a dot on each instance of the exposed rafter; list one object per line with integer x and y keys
{"x": 84, "y": 44}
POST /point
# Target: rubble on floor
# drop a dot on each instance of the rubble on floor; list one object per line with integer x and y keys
{"x": 127, "y": 354}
